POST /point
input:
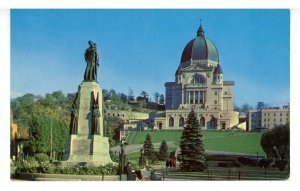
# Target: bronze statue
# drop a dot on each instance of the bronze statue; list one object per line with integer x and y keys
{"x": 73, "y": 124}
{"x": 92, "y": 60}
{"x": 95, "y": 115}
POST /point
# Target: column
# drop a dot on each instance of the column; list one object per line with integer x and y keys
{"x": 194, "y": 97}
{"x": 188, "y": 100}
{"x": 199, "y": 97}
{"x": 203, "y": 96}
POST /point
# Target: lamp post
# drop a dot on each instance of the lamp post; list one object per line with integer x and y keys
{"x": 122, "y": 158}
{"x": 51, "y": 138}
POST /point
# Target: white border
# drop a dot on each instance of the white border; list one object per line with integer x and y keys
{"x": 145, "y": 186}
{"x": 149, "y": 4}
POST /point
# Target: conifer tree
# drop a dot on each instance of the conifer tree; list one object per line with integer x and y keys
{"x": 148, "y": 148}
{"x": 163, "y": 151}
{"x": 192, "y": 154}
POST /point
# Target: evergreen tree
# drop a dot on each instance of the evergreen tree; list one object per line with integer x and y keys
{"x": 192, "y": 154}
{"x": 148, "y": 148}
{"x": 163, "y": 153}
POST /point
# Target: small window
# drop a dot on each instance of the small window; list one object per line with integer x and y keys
{"x": 274, "y": 114}
{"x": 280, "y": 119}
{"x": 225, "y": 92}
{"x": 280, "y": 114}
{"x": 216, "y": 101}
{"x": 265, "y": 120}
{"x": 274, "y": 120}
{"x": 216, "y": 93}
{"x": 265, "y": 114}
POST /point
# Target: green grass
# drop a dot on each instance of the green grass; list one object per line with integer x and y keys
{"x": 240, "y": 142}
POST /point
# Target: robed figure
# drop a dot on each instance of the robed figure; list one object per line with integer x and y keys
{"x": 73, "y": 124}
{"x": 95, "y": 115}
{"x": 92, "y": 60}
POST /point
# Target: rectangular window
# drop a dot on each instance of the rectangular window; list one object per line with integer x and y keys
{"x": 268, "y": 114}
{"x": 280, "y": 119}
{"x": 216, "y": 93}
{"x": 274, "y": 114}
{"x": 280, "y": 114}
{"x": 216, "y": 101}
{"x": 275, "y": 120}
{"x": 225, "y": 92}
{"x": 265, "y": 114}
{"x": 265, "y": 120}
{"x": 268, "y": 119}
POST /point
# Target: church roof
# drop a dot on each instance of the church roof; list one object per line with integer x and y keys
{"x": 200, "y": 48}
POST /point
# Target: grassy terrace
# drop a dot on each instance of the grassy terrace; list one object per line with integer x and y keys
{"x": 240, "y": 142}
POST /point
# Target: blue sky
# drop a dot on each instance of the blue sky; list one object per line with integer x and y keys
{"x": 141, "y": 49}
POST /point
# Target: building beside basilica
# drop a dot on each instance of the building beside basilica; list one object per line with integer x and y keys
{"x": 199, "y": 85}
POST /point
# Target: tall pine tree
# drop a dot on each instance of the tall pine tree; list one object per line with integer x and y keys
{"x": 192, "y": 154}
{"x": 148, "y": 148}
{"x": 163, "y": 153}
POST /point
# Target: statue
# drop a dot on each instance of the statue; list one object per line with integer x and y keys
{"x": 73, "y": 124}
{"x": 92, "y": 60}
{"x": 95, "y": 116}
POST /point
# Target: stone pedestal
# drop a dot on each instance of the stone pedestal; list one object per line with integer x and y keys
{"x": 86, "y": 147}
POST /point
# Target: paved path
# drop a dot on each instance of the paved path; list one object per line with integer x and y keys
{"x": 137, "y": 147}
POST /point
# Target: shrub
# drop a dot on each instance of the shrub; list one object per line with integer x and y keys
{"x": 41, "y": 157}
{"x": 247, "y": 161}
{"x": 229, "y": 164}
{"x": 264, "y": 163}
{"x": 223, "y": 164}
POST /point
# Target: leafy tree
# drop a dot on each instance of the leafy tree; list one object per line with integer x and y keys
{"x": 276, "y": 143}
{"x": 161, "y": 99}
{"x": 148, "y": 148}
{"x": 192, "y": 154}
{"x": 40, "y": 134}
{"x": 130, "y": 94}
{"x": 245, "y": 108}
{"x": 261, "y": 105}
{"x": 163, "y": 153}
{"x": 123, "y": 97}
{"x": 156, "y": 97}
{"x": 144, "y": 94}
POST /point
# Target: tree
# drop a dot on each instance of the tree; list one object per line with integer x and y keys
{"x": 39, "y": 140}
{"x": 144, "y": 94}
{"x": 161, "y": 99}
{"x": 245, "y": 108}
{"x": 276, "y": 143}
{"x": 192, "y": 152}
{"x": 163, "y": 153}
{"x": 148, "y": 148}
{"x": 261, "y": 105}
{"x": 156, "y": 97}
{"x": 130, "y": 94}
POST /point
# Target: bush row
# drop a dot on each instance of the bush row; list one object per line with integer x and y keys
{"x": 33, "y": 166}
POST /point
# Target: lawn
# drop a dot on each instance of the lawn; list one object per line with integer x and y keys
{"x": 240, "y": 142}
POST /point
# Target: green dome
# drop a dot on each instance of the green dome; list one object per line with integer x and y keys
{"x": 200, "y": 48}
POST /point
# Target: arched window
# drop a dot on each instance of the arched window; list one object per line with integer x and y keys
{"x": 213, "y": 122}
{"x": 202, "y": 122}
{"x": 181, "y": 122}
{"x": 171, "y": 122}
{"x": 198, "y": 79}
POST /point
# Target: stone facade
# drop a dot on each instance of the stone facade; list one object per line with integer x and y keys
{"x": 267, "y": 118}
{"x": 199, "y": 85}
{"x": 87, "y": 146}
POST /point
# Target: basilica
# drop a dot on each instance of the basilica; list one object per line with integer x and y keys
{"x": 199, "y": 85}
